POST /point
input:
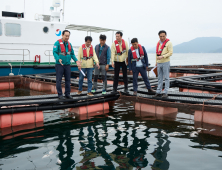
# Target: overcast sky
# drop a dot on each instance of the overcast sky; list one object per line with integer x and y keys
{"x": 183, "y": 20}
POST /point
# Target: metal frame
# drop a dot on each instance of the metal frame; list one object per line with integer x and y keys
{"x": 23, "y": 53}
{"x": 89, "y": 28}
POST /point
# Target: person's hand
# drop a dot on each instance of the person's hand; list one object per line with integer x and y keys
{"x": 113, "y": 64}
{"x": 156, "y": 64}
{"x": 78, "y": 63}
{"x": 159, "y": 57}
{"x": 98, "y": 65}
{"x": 131, "y": 71}
{"x": 107, "y": 67}
{"x": 60, "y": 60}
{"x": 79, "y": 68}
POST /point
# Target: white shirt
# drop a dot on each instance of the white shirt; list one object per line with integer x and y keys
{"x": 138, "y": 63}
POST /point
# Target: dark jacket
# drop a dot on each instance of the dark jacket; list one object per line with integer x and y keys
{"x": 132, "y": 64}
{"x": 103, "y": 56}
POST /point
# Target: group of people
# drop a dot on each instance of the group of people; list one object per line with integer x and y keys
{"x": 98, "y": 59}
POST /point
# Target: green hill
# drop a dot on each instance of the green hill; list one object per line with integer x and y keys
{"x": 198, "y": 45}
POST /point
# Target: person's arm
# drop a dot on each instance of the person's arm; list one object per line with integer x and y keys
{"x": 129, "y": 60}
{"x": 127, "y": 48}
{"x": 80, "y": 54}
{"x": 113, "y": 51}
{"x": 95, "y": 58}
{"x": 146, "y": 57}
{"x": 170, "y": 50}
{"x": 56, "y": 51}
{"x": 108, "y": 55}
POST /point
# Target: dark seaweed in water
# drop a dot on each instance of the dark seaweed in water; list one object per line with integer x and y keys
{"x": 122, "y": 139}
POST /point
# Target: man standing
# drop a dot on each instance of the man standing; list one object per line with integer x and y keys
{"x": 63, "y": 52}
{"x": 119, "y": 53}
{"x": 164, "y": 50}
{"x": 87, "y": 56}
{"x": 138, "y": 62}
{"x": 104, "y": 53}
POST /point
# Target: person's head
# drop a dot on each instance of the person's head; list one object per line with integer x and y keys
{"x": 65, "y": 35}
{"x": 102, "y": 39}
{"x": 162, "y": 34}
{"x": 119, "y": 36}
{"x": 88, "y": 40}
{"x": 134, "y": 43}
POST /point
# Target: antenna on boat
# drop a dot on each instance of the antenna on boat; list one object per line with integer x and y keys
{"x": 63, "y": 10}
{"x": 24, "y": 9}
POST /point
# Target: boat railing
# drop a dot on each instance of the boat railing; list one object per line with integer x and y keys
{"x": 23, "y": 54}
{"x": 49, "y": 53}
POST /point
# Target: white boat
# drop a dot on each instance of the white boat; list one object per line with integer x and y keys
{"x": 30, "y": 52}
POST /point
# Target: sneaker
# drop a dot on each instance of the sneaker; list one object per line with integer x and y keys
{"x": 135, "y": 93}
{"x": 79, "y": 92}
{"x": 90, "y": 94}
{"x": 93, "y": 91}
{"x": 104, "y": 92}
{"x": 164, "y": 95}
{"x": 157, "y": 95}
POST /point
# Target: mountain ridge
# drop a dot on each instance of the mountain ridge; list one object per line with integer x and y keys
{"x": 198, "y": 45}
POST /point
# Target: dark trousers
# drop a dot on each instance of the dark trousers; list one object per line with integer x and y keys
{"x": 60, "y": 71}
{"x": 117, "y": 66}
{"x": 143, "y": 73}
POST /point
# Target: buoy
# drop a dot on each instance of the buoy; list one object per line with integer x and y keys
{"x": 208, "y": 117}
{"x": 90, "y": 108}
{"x": 16, "y": 119}
{"x": 39, "y": 86}
{"x": 155, "y": 109}
{"x": 7, "y": 85}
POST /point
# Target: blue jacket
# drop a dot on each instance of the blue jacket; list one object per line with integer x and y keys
{"x": 65, "y": 59}
{"x": 132, "y": 64}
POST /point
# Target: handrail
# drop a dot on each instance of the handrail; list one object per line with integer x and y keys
{"x": 23, "y": 53}
{"x": 49, "y": 51}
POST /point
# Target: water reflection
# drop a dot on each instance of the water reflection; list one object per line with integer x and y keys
{"x": 124, "y": 141}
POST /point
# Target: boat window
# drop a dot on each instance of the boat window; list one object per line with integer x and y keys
{"x": 12, "y": 29}
{"x": 0, "y": 28}
{"x": 45, "y": 29}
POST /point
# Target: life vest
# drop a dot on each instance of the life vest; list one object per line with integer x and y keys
{"x": 63, "y": 49}
{"x": 118, "y": 49}
{"x": 135, "y": 58}
{"x": 85, "y": 57}
{"x": 159, "y": 51}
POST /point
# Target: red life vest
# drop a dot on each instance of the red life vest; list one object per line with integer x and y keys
{"x": 63, "y": 49}
{"x": 123, "y": 47}
{"x": 85, "y": 57}
{"x": 159, "y": 51}
{"x": 134, "y": 53}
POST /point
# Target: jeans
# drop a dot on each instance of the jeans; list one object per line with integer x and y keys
{"x": 143, "y": 73}
{"x": 60, "y": 71}
{"x": 89, "y": 78}
{"x": 116, "y": 74}
{"x": 163, "y": 70}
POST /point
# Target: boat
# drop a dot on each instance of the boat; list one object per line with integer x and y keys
{"x": 26, "y": 45}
